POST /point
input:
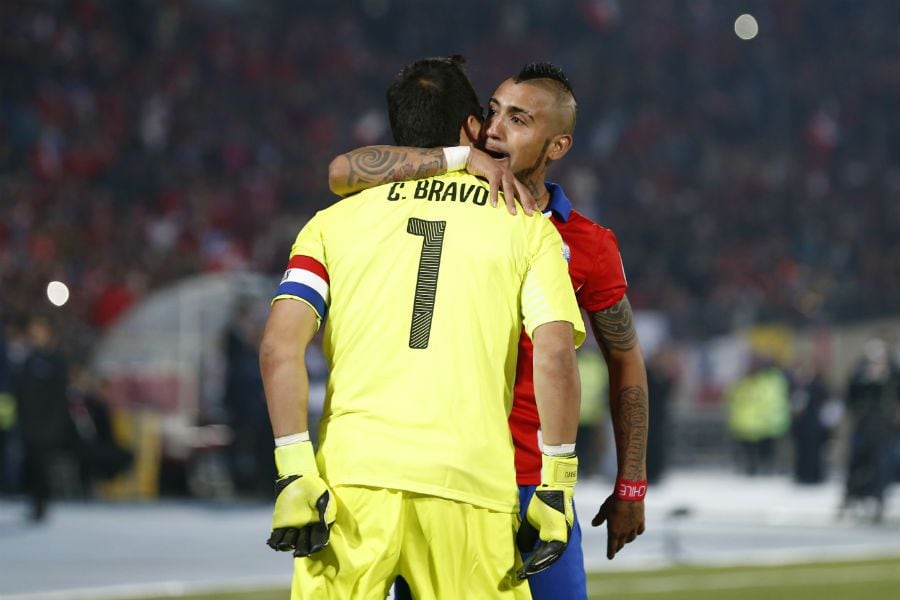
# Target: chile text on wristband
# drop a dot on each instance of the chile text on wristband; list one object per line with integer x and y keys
{"x": 630, "y": 490}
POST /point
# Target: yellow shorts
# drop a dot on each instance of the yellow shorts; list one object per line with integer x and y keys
{"x": 443, "y": 548}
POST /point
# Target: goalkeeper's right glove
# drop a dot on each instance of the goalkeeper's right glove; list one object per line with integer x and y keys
{"x": 304, "y": 507}
{"x": 550, "y": 515}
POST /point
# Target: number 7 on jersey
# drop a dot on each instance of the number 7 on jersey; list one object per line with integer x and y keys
{"x": 432, "y": 233}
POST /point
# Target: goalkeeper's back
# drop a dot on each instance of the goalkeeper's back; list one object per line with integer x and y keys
{"x": 429, "y": 288}
{"x": 426, "y": 287}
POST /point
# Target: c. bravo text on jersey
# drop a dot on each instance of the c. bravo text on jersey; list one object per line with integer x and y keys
{"x": 435, "y": 190}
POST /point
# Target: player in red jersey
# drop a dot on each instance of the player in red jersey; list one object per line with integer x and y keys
{"x": 528, "y": 127}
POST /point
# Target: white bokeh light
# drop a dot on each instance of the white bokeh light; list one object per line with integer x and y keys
{"x": 746, "y": 27}
{"x": 57, "y": 293}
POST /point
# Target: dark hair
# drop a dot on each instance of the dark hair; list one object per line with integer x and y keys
{"x": 544, "y": 70}
{"x": 430, "y": 100}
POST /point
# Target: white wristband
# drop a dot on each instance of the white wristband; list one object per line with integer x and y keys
{"x": 561, "y": 450}
{"x": 456, "y": 157}
{"x": 294, "y": 438}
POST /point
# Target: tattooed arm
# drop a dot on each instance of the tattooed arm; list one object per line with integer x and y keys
{"x": 367, "y": 167}
{"x": 616, "y": 335}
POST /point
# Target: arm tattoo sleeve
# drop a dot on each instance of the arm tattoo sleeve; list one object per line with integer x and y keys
{"x": 376, "y": 165}
{"x": 616, "y": 335}
{"x": 614, "y": 327}
{"x": 630, "y": 421}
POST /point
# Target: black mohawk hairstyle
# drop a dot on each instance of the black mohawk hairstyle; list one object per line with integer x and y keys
{"x": 544, "y": 70}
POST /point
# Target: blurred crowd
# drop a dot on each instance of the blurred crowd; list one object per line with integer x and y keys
{"x": 773, "y": 414}
{"x": 747, "y": 180}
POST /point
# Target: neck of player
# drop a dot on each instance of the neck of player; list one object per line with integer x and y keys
{"x": 540, "y": 193}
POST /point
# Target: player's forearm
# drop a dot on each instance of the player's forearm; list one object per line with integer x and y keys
{"x": 286, "y": 385}
{"x": 617, "y": 337}
{"x": 370, "y": 166}
{"x": 289, "y": 329}
{"x": 630, "y": 413}
{"x": 557, "y": 387}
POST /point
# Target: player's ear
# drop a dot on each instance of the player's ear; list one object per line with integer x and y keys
{"x": 470, "y": 131}
{"x": 559, "y": 146}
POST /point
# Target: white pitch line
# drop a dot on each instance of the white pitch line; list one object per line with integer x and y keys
{"x": 753, "y": 579}
{"x": 163, "y": 589}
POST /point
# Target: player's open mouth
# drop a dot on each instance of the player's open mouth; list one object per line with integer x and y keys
{"x": 496, "y": 154}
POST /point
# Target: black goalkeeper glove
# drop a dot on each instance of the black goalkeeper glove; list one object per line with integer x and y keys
{"x": 304, "y": 507}
{"x": 550, "y": 515}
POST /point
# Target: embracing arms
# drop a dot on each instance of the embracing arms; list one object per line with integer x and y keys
{"x": 370, "y": 166}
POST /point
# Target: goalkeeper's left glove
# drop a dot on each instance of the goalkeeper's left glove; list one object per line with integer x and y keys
{"x": 550, "y": 515}
{"x": 304, "y": 507}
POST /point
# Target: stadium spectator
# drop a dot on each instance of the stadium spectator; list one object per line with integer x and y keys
{"x": 7, "y": 412}
{"x": 873, "y": 407}
{"x": 42, "y": 403}
{"x": 250, "y": 452}
{"x": 663, "y": 371}
{"x": 758, "y": 408}
{"x": 809, "y": 430}
{"x": 100, "y": 456}
{"x": 592, "y": 423}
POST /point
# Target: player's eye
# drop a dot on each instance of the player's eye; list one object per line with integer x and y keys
{"x": 517, "y": 120}
{"x": 491, "y": 112}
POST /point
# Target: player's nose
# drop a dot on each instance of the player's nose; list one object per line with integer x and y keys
{"x": 493, "y": 129}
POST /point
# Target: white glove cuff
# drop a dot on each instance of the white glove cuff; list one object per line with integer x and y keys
{"x": 294, "y": 438}
{"x": 561, "y": 450}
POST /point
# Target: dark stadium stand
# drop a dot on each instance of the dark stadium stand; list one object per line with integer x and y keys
{"x": 141, "y": 142}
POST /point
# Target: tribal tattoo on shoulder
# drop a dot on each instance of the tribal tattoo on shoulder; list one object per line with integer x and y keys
{"x": 614, "y": 327}
{"x": 385, "y": 164}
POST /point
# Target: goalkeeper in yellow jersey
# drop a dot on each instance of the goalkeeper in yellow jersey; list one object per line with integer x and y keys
{"x": 422, "y": 289}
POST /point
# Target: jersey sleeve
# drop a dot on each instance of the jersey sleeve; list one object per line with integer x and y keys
{"x": 605, "y": 284}
{"x": 547, "y": 294}
{"x": 306, "y": 278}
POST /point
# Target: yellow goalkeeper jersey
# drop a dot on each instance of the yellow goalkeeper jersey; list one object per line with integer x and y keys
{"x": 424, "y": 288}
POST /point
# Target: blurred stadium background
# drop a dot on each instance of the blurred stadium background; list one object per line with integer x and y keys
{"x": 158, "y": 158}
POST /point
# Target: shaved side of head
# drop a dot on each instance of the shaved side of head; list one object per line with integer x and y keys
{"x": 551, "y": 78}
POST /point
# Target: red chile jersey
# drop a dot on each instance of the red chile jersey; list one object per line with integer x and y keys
{"x": 598, "y": 277}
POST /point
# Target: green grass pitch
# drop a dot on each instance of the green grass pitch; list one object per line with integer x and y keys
{"x": 858, "y": 580}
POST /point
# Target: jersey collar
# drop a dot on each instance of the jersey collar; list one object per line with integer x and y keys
{"x": 559, "y": 204}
